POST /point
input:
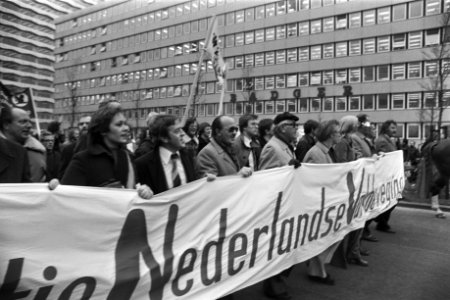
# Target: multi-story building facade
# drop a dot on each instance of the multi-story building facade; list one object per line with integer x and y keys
{"x": 27, "y": 42}
{"x": 320, "y": 59}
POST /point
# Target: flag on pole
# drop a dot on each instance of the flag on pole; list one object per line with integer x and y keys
{"x": 22, "y": 99}
{"x": 212, "y": 47}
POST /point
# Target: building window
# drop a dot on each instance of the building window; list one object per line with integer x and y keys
{"x": 369, "y": 46}
{"x": 328, "y": 77}
{"x": 249, "y": 37}
{"x": 303, "y": 28}
{"x": 269, "y": 107}
{"x": 369, "y": 73}
{"x": 415, "y": 9}
{"x": 398, "y": 71}
{"x": 249, "y": 61}
{"x": 316, "y": 26}
{"x": 414, "y": 100}
{"x": 292, "y": 30}
{"x": 259, "y": 59}
{"x": 399, "y": 41}
{"x": 269, "y": 83}
{"x": 291, "y": 6}
{"x": 270, "y": 34}
{"x": 354, "y": 103}
{"x": 328, "y": 24}
{"x": 384, "y": 44}
{"x": 229, "y": 41}
{"x": 292, "y": 55}
{"x": 341, "y": 76}
{"x": 304, "y": 4}
{"x": 432, "y": 7}
{"x": 355, "y": 47}
{"x": 230, "y": 18}
{"x": 414, "y": 70}
{"x": 341, "y": 49}
{"x": 316, "y": 78}
{"x": 315, "y": 104}
{"x": 413, "y": 131}
{"x": 341, "y": 103}
{"x": 316, "y": 3}
{"x": 355, "y": 20}
{"x": 240, "y": 17}
{"x": 303, "y": 79}
{"x": 369, "y": 17}
{"x": 291, "y": 80}
{"x": 399, "y": 12}
{"x": 341, "y": 22}
{"x": 316, "y": 52}
{"x": 368, "y": 102}
{"x": 431, "y": 37}
{"x": 239, "y": 39}
{"x": 383, "y": 73}
{"x": 270, "y": 58}
{"x": 239, "y": 62}
{"x": 430, "y": 100}
{"x": 355, "y": 75}
{"x": 259, "y": 36}
{"x": 431, "y": 68}
{"x": 383, "y": 101}
{"x": 303, "y": 54}
{"x": 384, "y": 15}
{"x": 281, "y": 32}
{"x": 260, "y": 12}
{"x": 259, "y": 83}
{"x": 415, "y": 40}
{"x": 328, "y": 50}
{"x": 249, "y": 14}
{"x": 270, "y": 10}
{"x": 280, "y": 106}
{"x": 303, "y": 105}
{"x": 398, "y": 101}
{"x": 328, "y": 104}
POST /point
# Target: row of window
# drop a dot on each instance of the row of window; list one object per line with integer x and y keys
{"x": 381, "y": 44}
{"x": 387, "y": 72}
{"x": 381, "y": 15}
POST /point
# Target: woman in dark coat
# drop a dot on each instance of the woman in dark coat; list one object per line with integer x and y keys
{"x": 106, "y": 161}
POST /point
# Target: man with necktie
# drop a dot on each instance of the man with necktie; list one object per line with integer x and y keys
{"x": 168, "y": 165}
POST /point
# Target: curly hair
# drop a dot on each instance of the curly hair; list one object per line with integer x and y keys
{"x": 101, "y": 120}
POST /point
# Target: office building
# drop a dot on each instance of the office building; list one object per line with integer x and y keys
{"x": 320, "y": 59}
{"x": 27, "y": 42}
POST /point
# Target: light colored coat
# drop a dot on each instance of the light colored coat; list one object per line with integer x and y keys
{"x": 318, "y": 155}
{"x": 214, "y": 160}
{"x": 361, "y": 145}
{"x": 275, "y": 153}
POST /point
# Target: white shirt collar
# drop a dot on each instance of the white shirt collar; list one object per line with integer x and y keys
{"x": 247, "y": 141}
{"x": 165, "y": 155}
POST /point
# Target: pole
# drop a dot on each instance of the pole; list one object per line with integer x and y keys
{"x": 222, "y": 95}
{"x": 197, "y": 74}
{"x": 38, "y": 126}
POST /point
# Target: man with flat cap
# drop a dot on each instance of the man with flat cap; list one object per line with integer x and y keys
{"x": 279, "y": 152}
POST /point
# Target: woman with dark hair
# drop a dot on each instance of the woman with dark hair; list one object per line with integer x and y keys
{"x": 105, "y": 162}
{"x": 191, "y": 130}
{"x": 204, "y": 135}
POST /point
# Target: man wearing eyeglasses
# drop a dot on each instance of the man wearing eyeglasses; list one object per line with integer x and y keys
{"x": 218, "y": 158}
{"x": 279, "y": 152}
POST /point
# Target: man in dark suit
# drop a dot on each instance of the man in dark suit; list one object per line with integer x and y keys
{"x": 69, "y": 150}
{"x": 167, "y": 165}
{"x": 246, "y": 145}
{"x": 14, "y": 166}
{"x": 308, "y": 140}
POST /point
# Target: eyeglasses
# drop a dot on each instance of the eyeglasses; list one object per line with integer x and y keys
{"x": 233, "y": 129}
{"x": 293, "y": 124}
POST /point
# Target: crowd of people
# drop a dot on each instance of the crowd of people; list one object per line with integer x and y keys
{"x": 98, "y": 153}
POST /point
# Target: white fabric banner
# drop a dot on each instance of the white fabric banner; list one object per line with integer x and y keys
{"x": 199, "y": 241}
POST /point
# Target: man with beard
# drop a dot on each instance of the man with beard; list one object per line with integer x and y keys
{"x": 69, "y": 150}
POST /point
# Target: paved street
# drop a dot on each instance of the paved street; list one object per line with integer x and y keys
{"x": 413, "y": 264}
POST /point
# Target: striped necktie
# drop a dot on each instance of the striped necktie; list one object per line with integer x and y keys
{"x": 176, "y": 180}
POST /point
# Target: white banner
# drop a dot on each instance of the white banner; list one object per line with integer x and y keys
{"x": 199, "y": 241}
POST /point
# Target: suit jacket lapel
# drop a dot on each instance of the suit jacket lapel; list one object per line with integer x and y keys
{"x": 188, "y": 167}
{"x": 156, "y": 172}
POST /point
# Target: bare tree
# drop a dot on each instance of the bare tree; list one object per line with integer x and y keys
{"x": 436, "y": 85}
